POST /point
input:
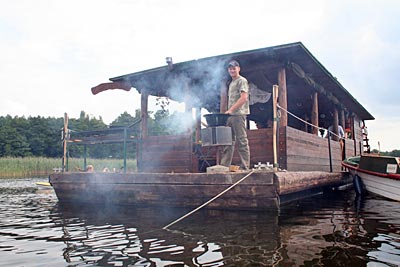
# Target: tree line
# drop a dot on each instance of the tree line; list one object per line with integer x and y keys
{"x": 41, "y": 136}
{"x": 394, "y": 153}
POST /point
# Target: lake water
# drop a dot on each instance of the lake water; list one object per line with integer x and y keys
{"x": 334, "y": 229}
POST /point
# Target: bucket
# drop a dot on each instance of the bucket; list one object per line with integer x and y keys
{"x": 216, "y": 119}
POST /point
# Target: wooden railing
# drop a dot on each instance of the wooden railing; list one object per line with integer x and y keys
{"x": 163, "y": 154}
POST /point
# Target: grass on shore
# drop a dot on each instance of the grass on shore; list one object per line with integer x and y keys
{"x": 42, "y": 167}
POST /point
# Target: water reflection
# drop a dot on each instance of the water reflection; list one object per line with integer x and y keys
{"x": 330, "y": 230}
{"x": 134, "y": 235}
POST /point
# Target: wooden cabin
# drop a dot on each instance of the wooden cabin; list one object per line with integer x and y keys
{"x": 308, "y": 95}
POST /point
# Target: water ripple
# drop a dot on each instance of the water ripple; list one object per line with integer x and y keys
{"x": 341, "y": 230}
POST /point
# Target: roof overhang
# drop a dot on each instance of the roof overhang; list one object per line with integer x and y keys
{"x": 203, "y": 76}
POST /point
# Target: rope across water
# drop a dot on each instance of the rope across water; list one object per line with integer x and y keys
{"x": 209, "y": 201}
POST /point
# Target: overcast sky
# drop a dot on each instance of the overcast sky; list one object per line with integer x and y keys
{"x": 52, "y": 52}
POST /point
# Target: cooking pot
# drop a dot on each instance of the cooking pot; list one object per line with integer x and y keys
{"x": 216, "y": 119}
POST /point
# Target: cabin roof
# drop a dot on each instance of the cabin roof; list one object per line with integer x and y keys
{"x": 202, "y": 78}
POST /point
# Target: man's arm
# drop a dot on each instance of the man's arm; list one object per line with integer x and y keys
{"x": 240, "y": 102}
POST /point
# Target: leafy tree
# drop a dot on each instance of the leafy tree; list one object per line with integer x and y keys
{"x": 393, "y": 153}
{"x": 54, "y": 145}
{"x": 12, "y": 143}
{"x": 85, "y": 123}
{"x": 126, "y": 120}
{"x": 40, "y": 136}
{"x": 123, "y": 120}
{"x": 158, "y": 125}
{"x": 376, "y": 151}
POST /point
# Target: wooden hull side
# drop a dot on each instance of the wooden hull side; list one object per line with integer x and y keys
{"x": 187, "y": 190}
{"x": 301, "y": 151}
{"x": 385, "y": 187}
{"x": 262, "y": 190}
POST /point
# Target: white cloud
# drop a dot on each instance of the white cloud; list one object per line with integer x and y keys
{"x": 14, "y": 107}
{"x": 385, "y": 131}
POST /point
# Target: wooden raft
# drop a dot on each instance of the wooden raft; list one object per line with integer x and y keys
{"x": 262, "y": 190}
{"x": 167, "y": 189}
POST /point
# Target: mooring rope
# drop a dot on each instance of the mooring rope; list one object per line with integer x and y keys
{"x": 209, "y": 201}
{"x": 312, "y": 125}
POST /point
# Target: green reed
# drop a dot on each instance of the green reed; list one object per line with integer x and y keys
{"x": 42, "y": 167}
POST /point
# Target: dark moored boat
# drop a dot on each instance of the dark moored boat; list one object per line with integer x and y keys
{"x": 378, "y": 174}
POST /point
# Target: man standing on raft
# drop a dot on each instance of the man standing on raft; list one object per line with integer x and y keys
{"x": 238, "y": 108}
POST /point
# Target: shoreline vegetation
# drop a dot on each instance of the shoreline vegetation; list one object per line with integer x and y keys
{"x": 31, "y": 167}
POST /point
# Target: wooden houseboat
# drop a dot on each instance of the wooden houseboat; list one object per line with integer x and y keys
{"x": 171, "y": 167}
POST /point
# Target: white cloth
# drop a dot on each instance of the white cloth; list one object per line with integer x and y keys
{"x": 330, "y": 128}
{"x": 257, "y": 95}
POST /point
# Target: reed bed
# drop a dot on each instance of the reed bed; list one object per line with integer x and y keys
{"x": 42, "y": 167}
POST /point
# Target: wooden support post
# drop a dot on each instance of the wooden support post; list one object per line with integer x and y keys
{"x": 330, "y": 152}
{"x": 84, "y": 157}
{"x": 305, "y": 123}
{"x": 189, "y": 122}
{"x": 335, "y": 125}
{"x": 342, "y": 119}
{"x": 282, "y": 96}
{"x": 198, "y": 124}
{"x": 195, "y": 162}
{"x": 275, "y": 93}
{"x": 351, "y": 117}
{"x": 188, "y": 109}
{"x": 65, "y": 142}
{"x": 315, "y": 114}
{"x": 144, "y": 99}
{"x": 125, "y": 138}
